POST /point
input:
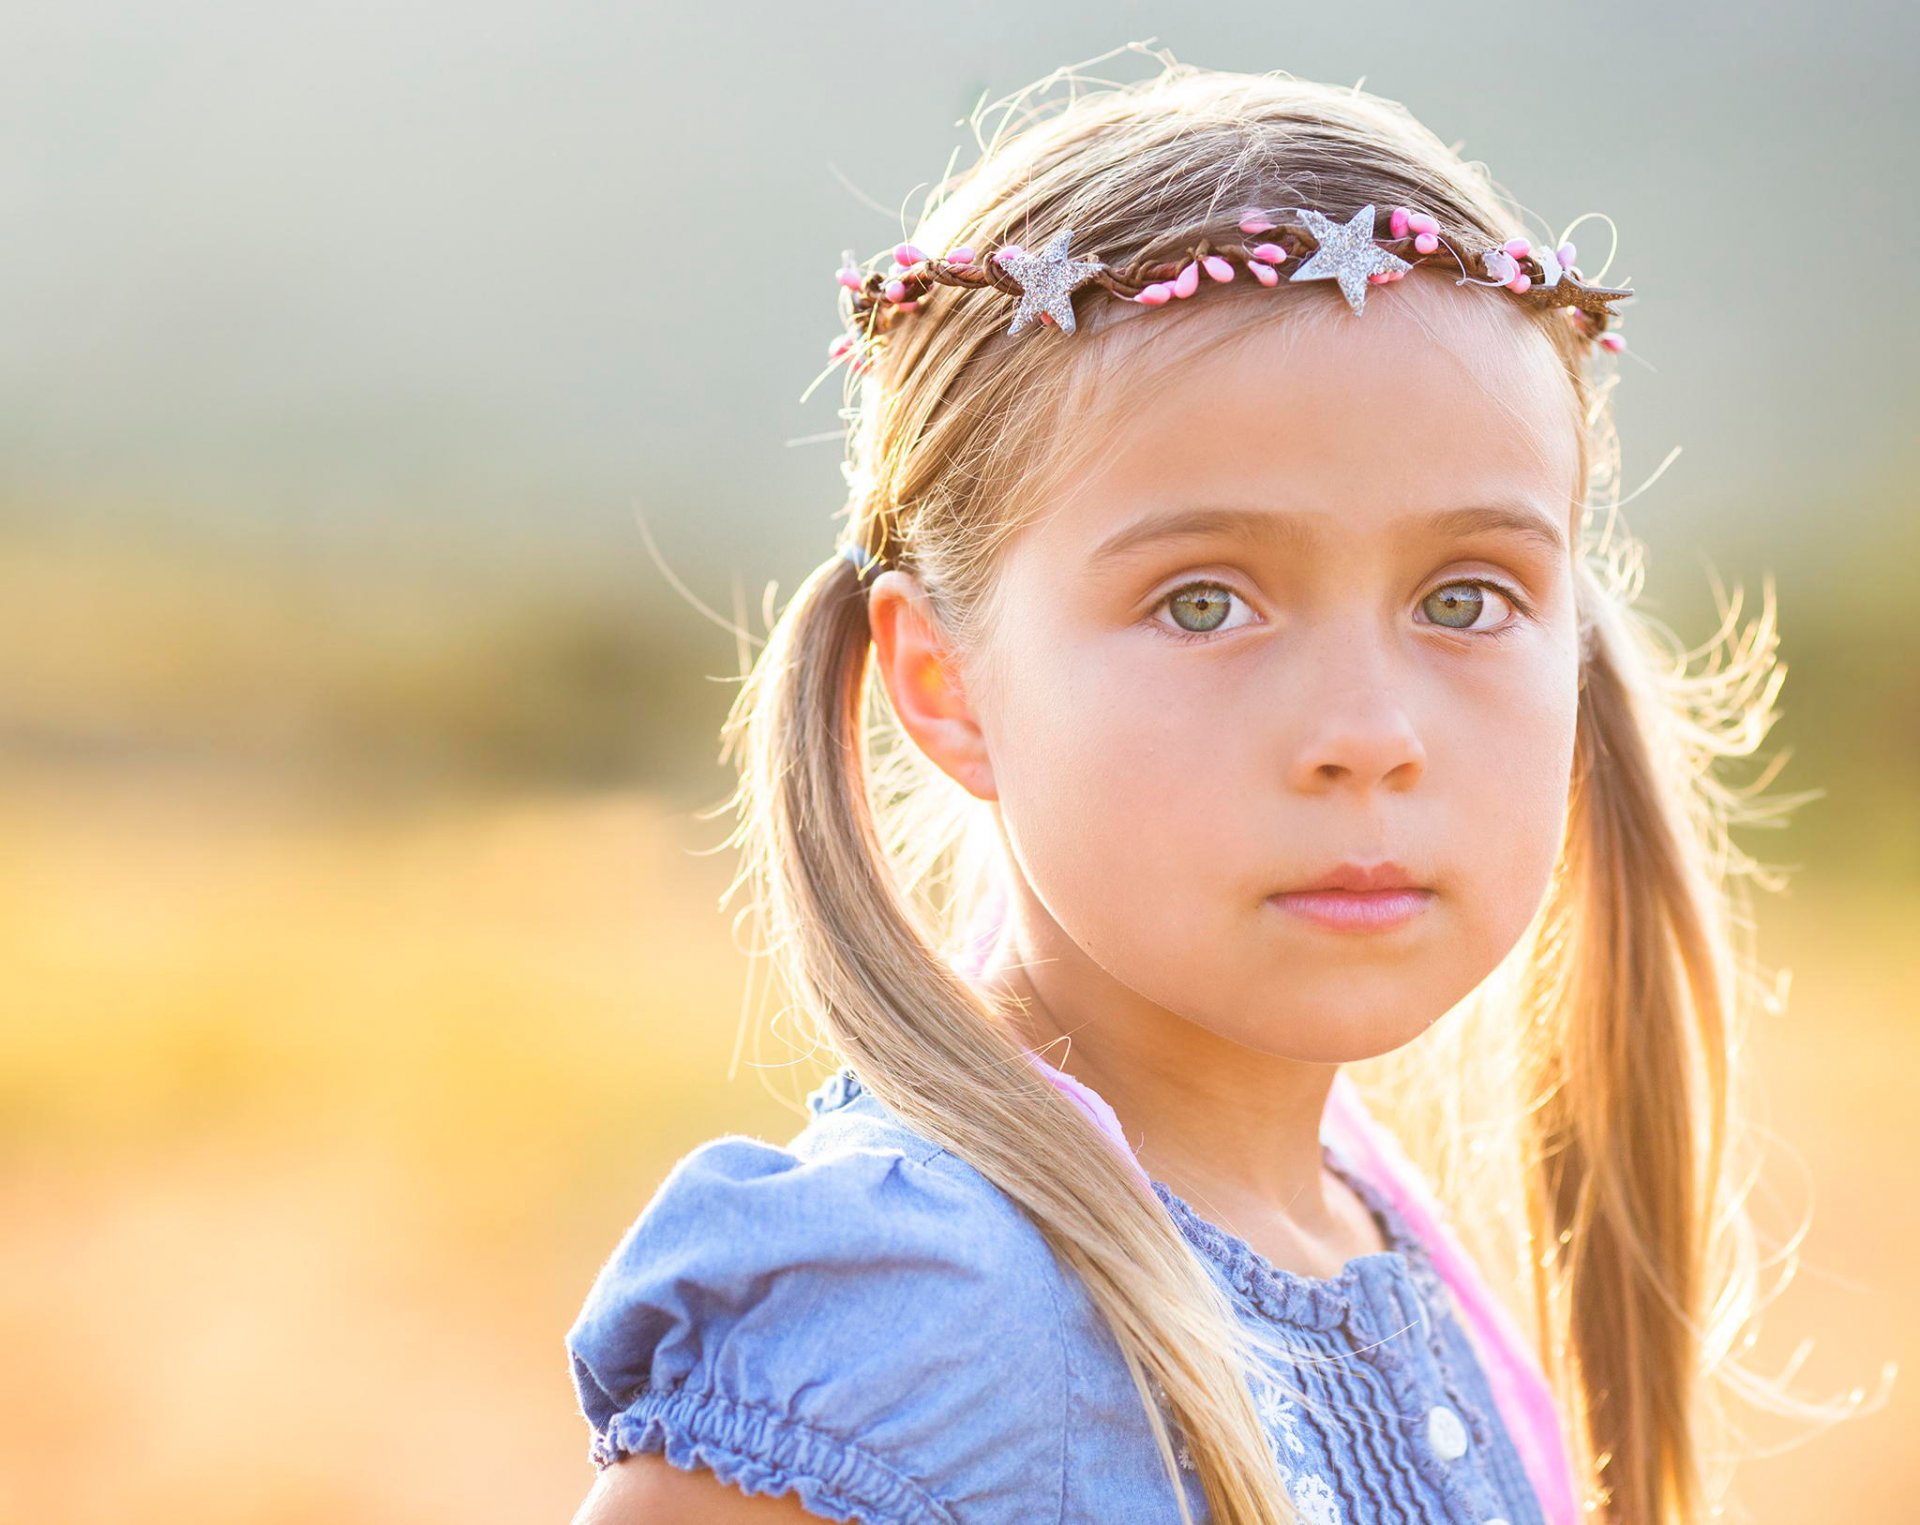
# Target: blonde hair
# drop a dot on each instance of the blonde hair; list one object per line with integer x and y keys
{"x": 1608, "y": 1038}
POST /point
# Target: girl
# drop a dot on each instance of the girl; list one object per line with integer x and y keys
{"x": 1256, "y": 694}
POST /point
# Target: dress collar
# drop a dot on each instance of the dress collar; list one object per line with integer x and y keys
{"x": 1279, "y": 1294}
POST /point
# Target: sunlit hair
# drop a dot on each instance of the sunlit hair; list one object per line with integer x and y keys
{"x": 1587, "y": 1135}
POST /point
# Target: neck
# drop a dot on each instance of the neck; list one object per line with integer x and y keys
{"x": 1232, "y": 1130}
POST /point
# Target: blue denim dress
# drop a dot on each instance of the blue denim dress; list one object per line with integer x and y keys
{"x": 863, "y": 1320}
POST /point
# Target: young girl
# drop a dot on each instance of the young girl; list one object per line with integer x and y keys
{"x": 1256, "y": 693}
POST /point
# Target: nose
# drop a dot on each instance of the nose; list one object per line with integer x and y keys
{"x": 1360, "y": 733}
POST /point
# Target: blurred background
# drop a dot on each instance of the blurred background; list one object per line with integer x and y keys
{"x": 360, "y": 918}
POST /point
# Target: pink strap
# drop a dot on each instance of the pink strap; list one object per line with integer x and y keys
{"x": 1519, "y": 1387}
{"x": 1098, "y": 1112}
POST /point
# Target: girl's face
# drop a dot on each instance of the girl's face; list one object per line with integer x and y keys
{"x": 1312, "y": 606}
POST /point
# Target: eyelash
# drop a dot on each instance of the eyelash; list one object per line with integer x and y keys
{"x": 1522, "y": 609}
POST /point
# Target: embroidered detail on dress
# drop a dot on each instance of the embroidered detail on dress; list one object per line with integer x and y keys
{"x": 1313, "y": 1500}
{"x": 1279, "y": 1413}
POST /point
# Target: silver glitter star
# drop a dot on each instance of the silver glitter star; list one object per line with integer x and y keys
{"x": 1047, "y": 283}
{"x": 1346, "y": 253}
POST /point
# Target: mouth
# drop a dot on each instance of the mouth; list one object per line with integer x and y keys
{"x": 1356, "y": 910}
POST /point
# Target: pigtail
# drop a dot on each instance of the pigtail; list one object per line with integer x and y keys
{"x": 1632, "y": 1107}
{"x": 1641, "y": 974}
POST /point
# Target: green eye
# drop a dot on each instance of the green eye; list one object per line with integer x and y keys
{"x": 1458, "y": 605}
{"x": 1200, "y": 607}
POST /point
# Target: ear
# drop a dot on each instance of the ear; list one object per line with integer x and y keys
{"x": 924, "y": 682}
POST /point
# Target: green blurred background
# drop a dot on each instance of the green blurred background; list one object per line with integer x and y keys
{"x": 365, "y": 959}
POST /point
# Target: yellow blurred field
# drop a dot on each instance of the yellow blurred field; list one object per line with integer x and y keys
{"x": 317, "y": 1126}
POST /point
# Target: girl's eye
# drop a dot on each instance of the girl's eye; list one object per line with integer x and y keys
{"x": 1459, "y": 605}
{"x": 1199, "y": 609}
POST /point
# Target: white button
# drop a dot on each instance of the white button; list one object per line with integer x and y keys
{"x": 1498, "y": 1519}
{"x": 1447, "y": 1435}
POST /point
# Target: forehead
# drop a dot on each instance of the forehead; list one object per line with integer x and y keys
{"x": 1433, "y": 397}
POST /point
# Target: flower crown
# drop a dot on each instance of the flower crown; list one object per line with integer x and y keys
{"x": 1350, "y": 253}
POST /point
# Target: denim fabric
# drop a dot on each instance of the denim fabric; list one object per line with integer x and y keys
{"x": 861, "y": 1319}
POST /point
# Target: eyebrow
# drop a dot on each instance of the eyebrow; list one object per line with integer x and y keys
{"x": 1296, "y": 531}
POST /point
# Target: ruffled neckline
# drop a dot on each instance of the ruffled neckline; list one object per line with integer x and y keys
{"x": 1291, "y": 1297}
{"x": 1321, "y": 1302}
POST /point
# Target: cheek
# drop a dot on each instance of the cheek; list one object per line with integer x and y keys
{"x": 1078, "y": 728}
{"x": 1509, "y": 775}
{"x": 1102, "y": 788}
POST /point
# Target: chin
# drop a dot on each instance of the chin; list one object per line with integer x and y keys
{"x": 1333, "y": 1037}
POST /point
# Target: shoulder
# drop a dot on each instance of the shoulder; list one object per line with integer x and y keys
{"x": 857, "y": 1317}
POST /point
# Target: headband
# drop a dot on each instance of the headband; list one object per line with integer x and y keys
{"x": 1348, "y": 252}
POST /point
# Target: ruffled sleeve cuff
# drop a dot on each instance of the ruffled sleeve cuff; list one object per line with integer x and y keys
{"x": 758, "y": 1451}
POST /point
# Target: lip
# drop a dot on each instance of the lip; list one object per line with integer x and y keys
{"x": 1385, "y": 875}
{"x": 1357, "y": 897}
{"x": 1355, "y": 910}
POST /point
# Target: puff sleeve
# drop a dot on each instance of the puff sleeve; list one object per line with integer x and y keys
{"x": 876, "y": 1333}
